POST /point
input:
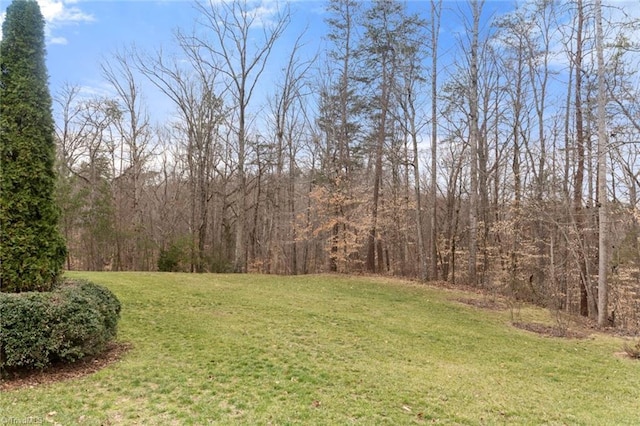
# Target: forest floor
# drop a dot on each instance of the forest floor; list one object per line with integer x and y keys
{"x": 244, "y": 349}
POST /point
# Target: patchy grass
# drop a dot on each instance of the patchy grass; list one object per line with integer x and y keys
{"x": 248, "y": 349}
{"x": 632, "y": 350}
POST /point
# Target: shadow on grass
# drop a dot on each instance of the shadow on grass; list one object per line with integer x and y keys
{"x": 550, "y": 330}
{"x": 22, "y": 378}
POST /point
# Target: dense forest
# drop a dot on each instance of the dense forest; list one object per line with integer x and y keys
{"x": 508, "y": 161}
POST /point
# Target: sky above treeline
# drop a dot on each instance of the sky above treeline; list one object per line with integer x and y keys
{"x": 82, "y": 33}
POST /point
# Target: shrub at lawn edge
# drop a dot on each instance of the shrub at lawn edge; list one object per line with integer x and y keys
{"x": 76, "y": 319}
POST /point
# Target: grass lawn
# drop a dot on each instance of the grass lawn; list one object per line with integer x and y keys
{"x": 250, "y": 349}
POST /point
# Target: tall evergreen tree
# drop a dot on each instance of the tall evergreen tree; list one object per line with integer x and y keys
{"x": 32, "y": 250}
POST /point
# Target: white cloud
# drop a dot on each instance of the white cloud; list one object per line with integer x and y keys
{"x": 98, "y": 89}
{"x": 58, "y": 14}
{"x": 58, "y": 40}
{"x": 61, "y": 13}
{"x": 263, "y": 13}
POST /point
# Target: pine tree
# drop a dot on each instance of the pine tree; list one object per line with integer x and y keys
{"x": 32, "y": 250}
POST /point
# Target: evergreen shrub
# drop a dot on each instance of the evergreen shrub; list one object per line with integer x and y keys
{"x": 76, "y": 319}
{"x": 169, "y": 260}
{"x": 32, "y": 249}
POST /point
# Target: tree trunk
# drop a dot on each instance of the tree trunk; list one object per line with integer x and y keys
{"x": 474, "y": 142}
{"x": 579, "y": 173}
{"x": 603, "y": 219}
{"x": 436, "y": 8}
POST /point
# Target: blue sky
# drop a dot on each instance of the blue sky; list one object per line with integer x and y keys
{"x": 81, "y": 33}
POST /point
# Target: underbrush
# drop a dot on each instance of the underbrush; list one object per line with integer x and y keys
{"x": 633, "y": 350}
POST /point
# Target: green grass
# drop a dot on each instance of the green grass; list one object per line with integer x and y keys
{"x": 247, "y": 349}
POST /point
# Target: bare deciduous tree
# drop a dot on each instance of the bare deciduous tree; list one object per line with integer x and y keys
{"x": 240, "y": 45}
{"x": 195, "y": 92}
{"x": 134, "y": 136}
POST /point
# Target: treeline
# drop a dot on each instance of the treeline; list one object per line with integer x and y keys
{"x": 507, "y": 160}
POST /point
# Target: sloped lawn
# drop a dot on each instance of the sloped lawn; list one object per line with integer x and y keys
{"x": 247, "y": 349}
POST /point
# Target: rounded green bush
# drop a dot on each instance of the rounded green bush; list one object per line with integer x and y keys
{"x": 76, "y": 319}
